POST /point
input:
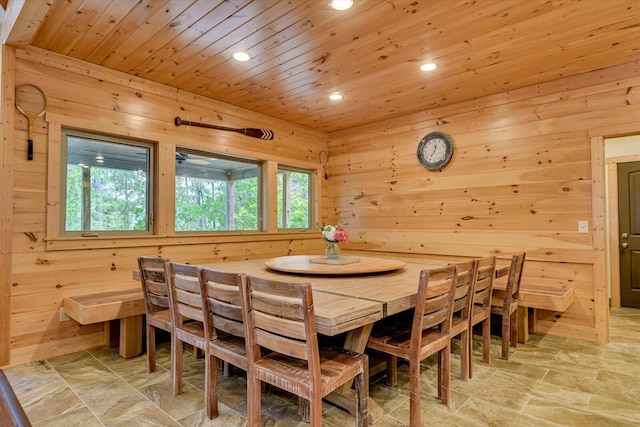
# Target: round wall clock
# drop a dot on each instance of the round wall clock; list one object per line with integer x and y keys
{"x": 435, "y": 150}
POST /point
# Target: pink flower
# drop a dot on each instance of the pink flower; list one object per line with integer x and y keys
{"x": 340, "y": 234}
{"x": 334, "y": 233}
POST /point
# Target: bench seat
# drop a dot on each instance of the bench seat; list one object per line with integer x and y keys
{"x": 533, "y": 296}
{"x": 126, "y": 305}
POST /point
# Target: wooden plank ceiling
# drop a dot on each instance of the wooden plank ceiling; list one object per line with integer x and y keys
{"x": 302, "y": 51}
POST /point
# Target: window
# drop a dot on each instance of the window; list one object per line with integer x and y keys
{"x": 294, "y": 198}
{"x": 216, "y": 193}
{"x": 106, "y": 185}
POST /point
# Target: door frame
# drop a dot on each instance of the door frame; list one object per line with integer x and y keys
{"x": 614, "y": 238}
{"x": 606, "y": 262}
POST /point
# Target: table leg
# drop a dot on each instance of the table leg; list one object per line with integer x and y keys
{"x": 130, "y": 336}
{"x": 347, "y": 401}
{"x": 345, "y": 396}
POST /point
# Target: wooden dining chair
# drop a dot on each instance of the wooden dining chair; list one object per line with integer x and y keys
{"x": 429, "y": 334}
{"x": 461, "y": 314}
{"x": 280, "y": 317}
{"x": 223, "y": 327}
{"x": 187, "y": 315}
{"x": 156, "y": 299}
{"x": 481, "y": 307}
{"x": 507, "y": 309}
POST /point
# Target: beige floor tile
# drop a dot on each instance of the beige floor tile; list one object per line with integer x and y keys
{"x": 80, "y": 417}
{"x": 550, "y": 381}
{"x": 547, "y": 409}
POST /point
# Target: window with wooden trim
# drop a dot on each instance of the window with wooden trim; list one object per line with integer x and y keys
{"x": 294, "y": 198}
{"x": 216, "y": 193}
{"x": 106, "y": 185}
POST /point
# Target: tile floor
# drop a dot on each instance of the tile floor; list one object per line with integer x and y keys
{"x": 549, "y": 381}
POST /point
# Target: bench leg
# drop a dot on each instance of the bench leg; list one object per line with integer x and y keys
{"x": 523, "y": 324}
{"x": 130, "y": 336}
{"x": 533, "y": 316}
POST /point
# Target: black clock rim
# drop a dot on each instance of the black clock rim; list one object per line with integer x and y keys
{"x": 437, "y": 165}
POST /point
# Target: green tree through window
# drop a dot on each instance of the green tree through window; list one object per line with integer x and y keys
{"x": 106, "y": 184}
{"x": 216, "y": 193}
{"x": 294, "y": 198}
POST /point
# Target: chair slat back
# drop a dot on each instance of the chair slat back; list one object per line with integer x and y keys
{"x": 434, "y": 302}
{"x": 464, "y": 288}
{"x": 184, "y": 292}
{"x": 280, "y": 317}
{"x": 154, "y": 283}
{"x": 515, "y": 276}
{"x": 485, "y": 272}
{"x": 223, "y": 302}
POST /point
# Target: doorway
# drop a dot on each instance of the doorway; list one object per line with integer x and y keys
{"x": 629, "y": 232}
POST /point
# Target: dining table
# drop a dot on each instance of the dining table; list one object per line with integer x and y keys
{"x": 349, "y": 296}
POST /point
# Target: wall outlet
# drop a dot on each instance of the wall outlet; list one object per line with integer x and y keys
{"x": 583, "y": 226}
{"x": 63, "y": 315}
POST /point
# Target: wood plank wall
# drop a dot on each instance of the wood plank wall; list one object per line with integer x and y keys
{"x": 520, "y": 180}
{"x": 44, "y": 269}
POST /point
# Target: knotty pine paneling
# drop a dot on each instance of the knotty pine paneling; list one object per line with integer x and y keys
{"x": 520, "y": 180}
{"x": 45, "y": 269}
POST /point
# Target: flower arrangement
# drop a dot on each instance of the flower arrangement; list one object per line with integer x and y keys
{"x": 334, "y": 233}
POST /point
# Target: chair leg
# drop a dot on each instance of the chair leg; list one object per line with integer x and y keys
{"x": 414, "y": 392}
{"x": 227, "y": 369}
{"x": 514, "y": 329}
{"x": 211, "y": 385}
{"x": 362, "y": 394}
{"x": 464, "y": 355}
{"x": 486, "y": 340}
{"x": 444, "y": 373}
{"x": 315, "y": 418}
{"x": 486, "y": 344}
{"x": 303, "y": 409}
{"x": 470, "y": 351}
{"x": 254, "y": 401}
{"x": 197, "y": 352}
{"x": 151, "y": 348}
{"x": 176, "y": 365}
{"x": 506, "y": 335}
{"x": 392, "y": 371}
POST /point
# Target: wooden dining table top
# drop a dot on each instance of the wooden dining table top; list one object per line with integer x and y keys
{"x": 346, "y": 297}
{"x": 346, "y": 301}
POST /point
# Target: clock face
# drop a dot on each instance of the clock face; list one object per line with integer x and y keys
{"x": 435, "y": 150}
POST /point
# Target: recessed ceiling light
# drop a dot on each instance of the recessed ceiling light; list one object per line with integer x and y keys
{"x": 341, "y": 4}
{"x": 335, "y": 96}
{"x": 429, "y": 66}
{"x": 241, "y": 56}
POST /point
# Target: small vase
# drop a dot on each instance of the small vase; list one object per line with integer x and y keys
{"x": 333, "y": 250}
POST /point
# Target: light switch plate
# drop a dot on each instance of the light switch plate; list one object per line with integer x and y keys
{"x": 583, "y": 226}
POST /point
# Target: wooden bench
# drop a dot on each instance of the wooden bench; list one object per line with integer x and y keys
{"x": 126, "y": 305}
{"x": 532, "y": 297}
